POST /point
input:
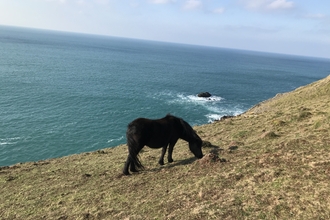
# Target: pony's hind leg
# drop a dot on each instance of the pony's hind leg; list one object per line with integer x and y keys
{"x": 126, "y": 166}
{"x": 135, "y": 163}
{"x": 133, "y": 168}
{"x": 129, "y": 165}
{"x": 161, "y": 159}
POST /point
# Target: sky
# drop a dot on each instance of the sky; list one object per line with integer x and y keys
{"x": 280, "y": 26}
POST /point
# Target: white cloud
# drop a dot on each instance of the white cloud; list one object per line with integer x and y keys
{"x": 268, "y": 4}
{"x": 160, "y": 1}
{"x": 219, "y": 10}
{"x": 254, "y": 4}
{"x": 81, "y": 2}
{"x": 251, "y": 29}
{"x": 316, "y": 16}
{"x": 59, "y": 1}
{"x": 192, "y": 4}
{"x": 280, "y": 4}
{"x": 102, "y": 2}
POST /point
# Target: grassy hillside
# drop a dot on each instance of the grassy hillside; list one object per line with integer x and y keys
{"x": 271, "y": 162}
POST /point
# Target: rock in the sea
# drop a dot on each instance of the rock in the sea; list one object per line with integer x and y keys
{"x": 204, "y": 94}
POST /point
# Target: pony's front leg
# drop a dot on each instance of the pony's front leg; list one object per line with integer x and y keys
{"x": 170, "y": 151}
{"x": 161, "y": 159}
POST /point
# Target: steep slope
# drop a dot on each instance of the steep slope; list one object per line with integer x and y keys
{"x": 271, "y": 162}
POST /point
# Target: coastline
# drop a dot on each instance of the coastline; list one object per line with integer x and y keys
{"x": 264, "y": 164}
{"x": 259, "y": 108}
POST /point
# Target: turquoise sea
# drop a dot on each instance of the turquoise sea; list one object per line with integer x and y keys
{"x": 66, "y": 93}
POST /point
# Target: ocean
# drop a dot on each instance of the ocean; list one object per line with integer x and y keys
{"x": 67, "y": 93}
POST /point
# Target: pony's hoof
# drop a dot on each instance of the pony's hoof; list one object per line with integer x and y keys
{"x": 170, "y": 160}
{"x": 161, "y": 163}
{"x": 126, "y": 173}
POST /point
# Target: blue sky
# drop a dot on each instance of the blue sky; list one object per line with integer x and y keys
{"x": 281, "y": 26}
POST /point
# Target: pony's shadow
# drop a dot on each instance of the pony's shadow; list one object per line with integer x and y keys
{"x": 173, "y": 164}
{"x": 212, "y": 149}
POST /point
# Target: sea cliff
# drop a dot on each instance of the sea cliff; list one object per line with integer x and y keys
{"x": 272, "y": 161}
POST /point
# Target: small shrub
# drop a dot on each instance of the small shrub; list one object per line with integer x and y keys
{"x": 241, "y": 134}
{"x": 269, "y": 135}
{"x": 278, "y": 122}
{"x": 304, "y": 114}
{"x": 317, "y": 124}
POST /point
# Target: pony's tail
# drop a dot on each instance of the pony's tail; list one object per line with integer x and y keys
{"x": 133, "y": 149}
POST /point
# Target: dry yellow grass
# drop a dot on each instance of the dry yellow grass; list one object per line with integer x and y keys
{"x": 272, "y": 162}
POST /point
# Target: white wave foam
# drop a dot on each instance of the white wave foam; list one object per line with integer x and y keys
{"x": 180, "y": 98}
{"x": 116, "y": 139}
{"x": 201, "y": 99}
{"x": 8, "y": 141}
{"x": 214, "y": 117}
{"x": 215, "y": 106}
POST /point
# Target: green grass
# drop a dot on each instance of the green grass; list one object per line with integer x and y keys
{"x": 273, "y": 163}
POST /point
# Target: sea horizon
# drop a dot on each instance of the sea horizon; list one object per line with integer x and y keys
{"x": 158, "y": 41}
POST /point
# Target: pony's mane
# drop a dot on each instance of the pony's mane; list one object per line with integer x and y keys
{"x": 169, "y": 115}
{"x": 188, "y": 131}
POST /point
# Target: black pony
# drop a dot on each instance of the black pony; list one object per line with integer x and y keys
{"x": 158, "y": 133}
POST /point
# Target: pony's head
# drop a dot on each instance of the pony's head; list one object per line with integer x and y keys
{"x": 195, "y": 142}
{"x": 196, "y": 147}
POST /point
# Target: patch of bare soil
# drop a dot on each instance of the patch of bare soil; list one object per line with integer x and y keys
{"x": 211, "y": 158}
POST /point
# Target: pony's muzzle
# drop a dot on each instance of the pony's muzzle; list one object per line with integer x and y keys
{"x": 200, "y": 156}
